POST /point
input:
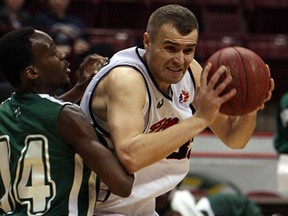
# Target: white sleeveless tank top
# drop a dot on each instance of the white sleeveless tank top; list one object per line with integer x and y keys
{"x": 160, "y": 112}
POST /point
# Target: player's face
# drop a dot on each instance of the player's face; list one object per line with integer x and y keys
{"x": 169, "y": 54}
{"x": 49, "y": 63}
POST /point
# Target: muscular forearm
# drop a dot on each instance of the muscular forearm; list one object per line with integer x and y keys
{"x": 158, "y": 145}
{"x": 235, "y": 132}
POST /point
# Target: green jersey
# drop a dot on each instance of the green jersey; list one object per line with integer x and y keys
{"x": 40, "y": 174}
{"x": 281, "y": 133}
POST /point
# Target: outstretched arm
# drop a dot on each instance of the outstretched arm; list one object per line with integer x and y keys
{"x": 78, "y": 131}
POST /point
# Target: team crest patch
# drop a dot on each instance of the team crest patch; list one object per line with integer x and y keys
{"x": 184, "y": 96}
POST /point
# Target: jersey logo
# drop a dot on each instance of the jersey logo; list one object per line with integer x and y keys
{"x": 163, "y": 124}
{"x": 17, "y": 112}
{"x": 181, "y": 153}
{"x": 160, "y": 104}
{"x": 184, "y": 96}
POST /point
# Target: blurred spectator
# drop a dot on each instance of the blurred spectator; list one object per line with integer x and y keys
{"x": 66, "y": 30}
{"x": 13, "y": 16}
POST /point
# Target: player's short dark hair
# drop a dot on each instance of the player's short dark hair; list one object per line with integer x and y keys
{"x": 15, "y": 54}
{"x": 180, "y": 17}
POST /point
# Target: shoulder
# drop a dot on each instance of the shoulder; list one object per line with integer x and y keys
{"x": 196, "y": 70}
{"x": 125, "y": 76}
{"x": 123, "y": 84}
{"x": 72, "y": 110}
{"x": 195, "y": 65}
{"x": 45, "y": 105}
{"x": 72, "y": 115}
{"x": 51, "y": 99}
{"x": 124, "y": 68}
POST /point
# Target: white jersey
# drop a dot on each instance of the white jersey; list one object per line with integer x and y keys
{"x": 160, "y": 112}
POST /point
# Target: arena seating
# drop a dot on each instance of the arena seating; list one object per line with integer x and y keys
{"x": 261, "y": 26}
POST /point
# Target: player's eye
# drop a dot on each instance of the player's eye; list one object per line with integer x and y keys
{"x": 171, "y": 48}
{"x": 56, "y": 54}
{"x": 189, "y": 51}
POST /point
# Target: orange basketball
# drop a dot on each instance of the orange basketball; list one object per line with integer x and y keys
{"x": 250, "y": 78}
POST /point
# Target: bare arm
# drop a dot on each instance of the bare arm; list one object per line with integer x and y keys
{"x": 88, "y": 68}
{"x": 234, "y": 131}
{"x": 77, "y": 131}
{"x": 126, "y": 98}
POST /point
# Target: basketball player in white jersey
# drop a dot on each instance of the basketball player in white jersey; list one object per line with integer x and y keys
{"x": 148, "y": 103}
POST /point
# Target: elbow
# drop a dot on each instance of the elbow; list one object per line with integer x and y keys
{"x": 127, "y": 189}
{"x": 125, "y": 193}
{"x": 130, "y": 163}
{"x": 237, "y": 145}
{"x": 236, "y": 142}
{"x": 124, "y": 188}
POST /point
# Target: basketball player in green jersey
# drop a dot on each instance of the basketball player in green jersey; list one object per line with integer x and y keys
{"x": 48, "y": 147}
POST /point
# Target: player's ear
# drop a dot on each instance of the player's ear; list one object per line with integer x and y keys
{"x": 31, "y": 72}
{"x": 146, "y": 41}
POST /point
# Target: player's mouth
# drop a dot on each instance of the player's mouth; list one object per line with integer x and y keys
{"x": 67, "y": 69}
{"x": 175, "y": 69}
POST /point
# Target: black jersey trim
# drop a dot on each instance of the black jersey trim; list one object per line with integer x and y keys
{"x": 96, "y": 125}
{"x": 194, "y": 84}
{"x": 150, "y": 74}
